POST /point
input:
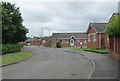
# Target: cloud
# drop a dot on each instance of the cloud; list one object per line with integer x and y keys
{"x": 64, "y": 16}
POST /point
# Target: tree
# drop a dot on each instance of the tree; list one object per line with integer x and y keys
{"x": 12, "y": 29}
{"x": 113, "y": 28}
{"x": 0, "y": 24}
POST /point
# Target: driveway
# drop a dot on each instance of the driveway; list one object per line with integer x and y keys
{"x": 50, "y": 63}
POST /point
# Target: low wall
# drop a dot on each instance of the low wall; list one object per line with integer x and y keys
{"x": 114, "y": 56}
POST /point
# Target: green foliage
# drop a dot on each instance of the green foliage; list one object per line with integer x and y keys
{"x": 101, "y": 51}
{"x": 114, "y": 26}
{"x": 11, "y": 48}
{"x": 58, "y": 44}
{"x": 15, "y": 57}
{"x": 12, "y": 29}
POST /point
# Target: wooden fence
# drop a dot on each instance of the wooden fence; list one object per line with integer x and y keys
{"x": 114, "y": 44}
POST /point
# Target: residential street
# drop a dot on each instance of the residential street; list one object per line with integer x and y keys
{"x": 50, "y": 63}
{"x": 105, "y": 68}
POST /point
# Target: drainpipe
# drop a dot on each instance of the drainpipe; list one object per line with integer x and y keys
{"x": 99, "y": 40}
{"x": 114, "y": 43}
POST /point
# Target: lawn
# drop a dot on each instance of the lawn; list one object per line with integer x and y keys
{"x": 14, "y": 57}
{"x": 101, "y": 51}
{"x": 79, "y": 49}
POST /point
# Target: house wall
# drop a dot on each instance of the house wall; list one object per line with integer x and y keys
{"x": 101, "y": 39}
{"x": 92, "y": 44}
{"x": 67, "y": 44}
{"x": 81, "y": 42}
{"x": 33, "y": 42}
{"x": 104, "y": 43}
{"x": 64, "y": 44}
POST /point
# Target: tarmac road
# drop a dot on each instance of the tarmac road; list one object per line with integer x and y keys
{"x": 49, "y": 63}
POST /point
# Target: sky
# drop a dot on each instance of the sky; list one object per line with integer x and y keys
{"x": 63, "y": 15}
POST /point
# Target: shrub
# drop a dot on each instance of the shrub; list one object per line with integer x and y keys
{"x": 58, "y": 45}
{"x": 11, "y": 48}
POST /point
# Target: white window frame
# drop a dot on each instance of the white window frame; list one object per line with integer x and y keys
{"x": 78, "y": 40}
{"x": 85, "y": 41}
{"x": 89, "y": 38}
{"x": 67, "y": 40}
{"x": 94, "y": 37}
{"x": 107, "y": 38}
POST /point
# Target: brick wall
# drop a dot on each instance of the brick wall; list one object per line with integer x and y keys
{"x": 101, "y": 39}
{"x": 33, "y": 42}
{"x": 67, "y": 44}
{"x": 92, "y": 44}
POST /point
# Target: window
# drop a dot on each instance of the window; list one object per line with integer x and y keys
{"x": 56, "y": 40}
{"x": 85, "y": 41}
{"x": 66, "y": 40}
{"x": 81, "y": 43}
{"x": 107, "y": 38}
{"x": 78, "y": 40}
{"x": 88, "y": 38}
{"x": 94, "y": 37}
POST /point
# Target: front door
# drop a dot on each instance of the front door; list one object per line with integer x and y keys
{"x": 72, "y": 42}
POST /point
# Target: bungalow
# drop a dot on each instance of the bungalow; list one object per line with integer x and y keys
{"x": 69, "y": 39}
{"x": 96, "y": 36}
{"x": 46, "y": 41}
{"x": 33, "y": 41}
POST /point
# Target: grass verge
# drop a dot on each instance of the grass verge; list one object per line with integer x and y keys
{"x": 101, "y": 51}
{"x": 14, "y": 57}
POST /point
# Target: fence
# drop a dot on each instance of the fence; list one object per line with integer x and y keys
{"x": 114, "y": 44}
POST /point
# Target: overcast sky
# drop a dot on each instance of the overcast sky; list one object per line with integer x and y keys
{"x": 63, "y": 16}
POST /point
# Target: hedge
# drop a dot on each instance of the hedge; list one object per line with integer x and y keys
{"x": 11, "y": 48}
{"x": 101, "y": 51}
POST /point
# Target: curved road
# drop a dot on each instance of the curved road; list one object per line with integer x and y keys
{"x": 49, "y": 63}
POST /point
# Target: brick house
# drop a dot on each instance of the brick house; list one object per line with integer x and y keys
{"x": 114, "y": 44}
{"x": 69, "y": 39}
{"x": 96, "y": 36}
{"x": 33, "y": 41}
{"x": 46, "y": 41}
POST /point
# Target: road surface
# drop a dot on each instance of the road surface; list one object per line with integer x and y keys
{"x": 49, "y": 63}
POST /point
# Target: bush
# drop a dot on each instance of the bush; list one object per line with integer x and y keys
{"x": 11, "y": 48}
{"x": 58, "y": 45}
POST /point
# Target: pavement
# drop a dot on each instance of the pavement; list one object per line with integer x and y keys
{"x": 50, "y": 63}
{"x": 105, "y": 67}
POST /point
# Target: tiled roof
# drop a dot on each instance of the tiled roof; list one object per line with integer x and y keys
{"x": 98, "y": 27}
{"x": 68, "y": 35}
{"x": 47, "y": 38}
{"x": 33, "y": 39}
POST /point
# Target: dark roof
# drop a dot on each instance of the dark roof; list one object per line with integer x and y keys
{"x": 47, "y": 38}
{"x": 68, "y": 35}
{"x": 98, "y": 27}
{"x": 33, "y": 39}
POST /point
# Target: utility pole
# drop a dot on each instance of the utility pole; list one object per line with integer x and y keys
{"x": 94, "y": 20}
{"x": 42, "y": 28}
{"x": 48, "y": 30}
{"x": 41, "y": 31}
